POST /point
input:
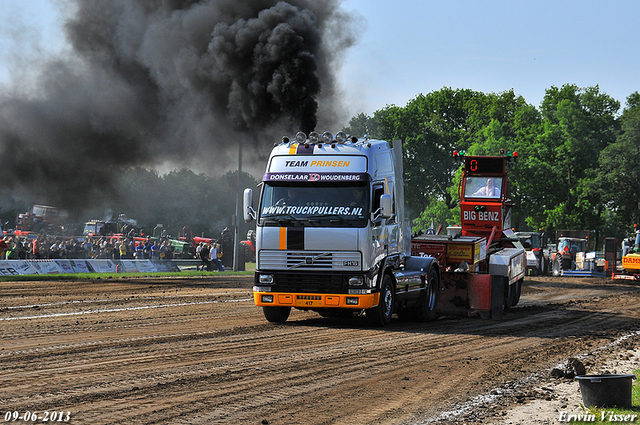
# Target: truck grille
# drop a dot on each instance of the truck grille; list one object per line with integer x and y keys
{"x": 310, "y": 282}
{"x": 309, "y": 260}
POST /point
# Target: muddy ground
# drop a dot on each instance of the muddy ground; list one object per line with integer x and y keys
{"x": 197, "y": 351}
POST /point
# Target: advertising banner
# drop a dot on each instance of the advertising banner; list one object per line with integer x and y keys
{"x": 79, "y": 266}
{"x": 16, "y": 267}
{"x": 102, "y": 266}
{"x": 46, "y": 267}
{"x": 27, "y": 267}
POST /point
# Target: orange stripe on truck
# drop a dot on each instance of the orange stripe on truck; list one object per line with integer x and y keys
{"x": 283, "y": 238}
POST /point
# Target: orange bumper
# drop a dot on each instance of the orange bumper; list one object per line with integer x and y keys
{"x": 316, "y": 300}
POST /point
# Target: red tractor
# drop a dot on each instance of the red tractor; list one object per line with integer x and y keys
{"x": 570, "y": 243}
{"x": 41, "y": 218}
{"x": 249, "y": 246}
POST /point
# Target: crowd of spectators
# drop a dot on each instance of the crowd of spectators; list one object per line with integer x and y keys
{"x": 90, "y": 247}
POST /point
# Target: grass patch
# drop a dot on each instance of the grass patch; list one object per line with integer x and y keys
{"x": 615, "y": 415}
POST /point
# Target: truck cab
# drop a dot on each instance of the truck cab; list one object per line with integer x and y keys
{"x": 331, "y": 235}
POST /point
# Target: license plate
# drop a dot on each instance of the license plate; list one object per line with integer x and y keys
{"x": 308, "y": 301}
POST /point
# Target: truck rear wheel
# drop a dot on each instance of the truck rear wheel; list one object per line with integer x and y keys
{"x": 427, "y": 310}
{"x": 381, "y": 314}
{"x": 276, "y": 314}
{"x": 514, "y": 293}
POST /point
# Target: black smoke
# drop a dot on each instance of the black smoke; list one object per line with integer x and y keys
{"x": 166, "y": 81}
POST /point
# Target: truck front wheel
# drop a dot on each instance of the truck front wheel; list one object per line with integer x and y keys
{"x": 276, "y": 314}
{"x": 381, "y": 314}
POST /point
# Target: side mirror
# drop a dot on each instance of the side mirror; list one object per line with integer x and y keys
{"x": 247, "y": 206}
{"x": 385, "y": 206}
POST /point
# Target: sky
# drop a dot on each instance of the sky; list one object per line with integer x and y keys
{"x": 408, "y": 47}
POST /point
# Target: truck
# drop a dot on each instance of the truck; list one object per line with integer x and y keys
{"x": 122, "y": 226}
{"x": 41, "y": 218}
{"x": 534, "y": 243}
{"x": 331, "y": 233}
{"x": 483, "y": 266}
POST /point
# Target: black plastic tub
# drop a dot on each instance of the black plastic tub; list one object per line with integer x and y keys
{"x": 606, "y": 390}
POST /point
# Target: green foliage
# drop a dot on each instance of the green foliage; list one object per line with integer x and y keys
{"x": 579, "y": 163}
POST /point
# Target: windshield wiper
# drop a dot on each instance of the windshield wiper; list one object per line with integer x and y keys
{"x": 280, "y": 218}
{"x": 336, "y": 218}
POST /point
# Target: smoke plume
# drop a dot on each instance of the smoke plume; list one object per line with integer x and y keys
{"x": 168, "y": 81}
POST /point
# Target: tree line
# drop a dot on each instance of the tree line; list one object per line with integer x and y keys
{"x": 578, "y": 166}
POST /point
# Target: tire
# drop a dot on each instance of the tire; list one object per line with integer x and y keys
{"x": 381, "y": 314}
{"x": 567, "y": 263}
{"x": 248, "y": 254}
{"x": 515, "y": 291}
{"x": 557, "y": 267}
{"x": 427, "y": 311}
{"x": 276, "y": 314}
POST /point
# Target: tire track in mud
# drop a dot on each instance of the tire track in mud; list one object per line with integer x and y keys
{"x": 195, "y": 364}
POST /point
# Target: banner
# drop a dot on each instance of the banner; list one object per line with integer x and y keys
{"x": 16, "y": 267}
{"x": 27, "y": 267}
{"x": 45, "y": 266}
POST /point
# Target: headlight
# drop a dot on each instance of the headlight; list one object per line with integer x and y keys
{"x": 327, "y": 137}
{"x": 265, "y": 279}
{"x": 360, "y": 291}
{"x": 262, "y": 289}
{"x": 267, "y": 298}
{"x": 341, "y": 137}
{"x": 356, "y": 281}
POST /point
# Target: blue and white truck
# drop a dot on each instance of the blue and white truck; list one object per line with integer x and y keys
{"x": 331, "y": 234}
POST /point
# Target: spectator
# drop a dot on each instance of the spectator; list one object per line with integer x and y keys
{"x": 4, "y": 247}
{"x": 490, "y": 190}
{"x": 204, "y": 256}
{"x": 123, "y": 249}
{"x": 170, "y": 250}
{"x": 214, "y": 258}
{"x": 163, "y": 250}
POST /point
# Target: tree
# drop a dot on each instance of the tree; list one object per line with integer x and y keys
{"x": 577, "y": 125}
{"x": 618, "y": 178}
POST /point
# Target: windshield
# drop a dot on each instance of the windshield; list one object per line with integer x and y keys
{"x": 315, "y": 204}
{"x": 572, "y": 245}
{"x": 484, "y": 187}
{"x": 530, "y": 241}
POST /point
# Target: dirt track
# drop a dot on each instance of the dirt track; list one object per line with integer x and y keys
{"x": 197, "y": 351}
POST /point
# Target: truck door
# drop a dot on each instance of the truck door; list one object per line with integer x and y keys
{"x": 385, "y": 232}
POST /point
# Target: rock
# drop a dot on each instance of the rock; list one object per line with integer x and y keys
{"x": 577, "y": 366}
{"x": 557, "y": 373}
